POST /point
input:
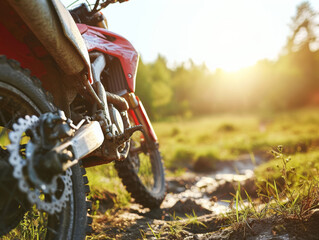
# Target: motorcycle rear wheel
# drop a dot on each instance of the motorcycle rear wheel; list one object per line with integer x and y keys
{"x": 20, "y": 95}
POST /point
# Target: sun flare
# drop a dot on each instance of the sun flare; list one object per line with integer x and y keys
{"x": 227, "y": 39}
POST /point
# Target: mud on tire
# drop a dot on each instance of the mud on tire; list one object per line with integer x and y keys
{"x": 150, "y": 197}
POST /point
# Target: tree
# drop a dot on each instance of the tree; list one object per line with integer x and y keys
{"x": 304, "y": 26}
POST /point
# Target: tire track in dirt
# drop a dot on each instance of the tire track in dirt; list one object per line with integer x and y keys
{"x": 193, "y": 209}
{"x": 193, "y": 194}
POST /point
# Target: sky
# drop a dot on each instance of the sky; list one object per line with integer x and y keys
{"x": 227, "y": 34}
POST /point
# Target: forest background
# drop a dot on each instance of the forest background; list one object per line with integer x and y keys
{"x": 188, "y": 89}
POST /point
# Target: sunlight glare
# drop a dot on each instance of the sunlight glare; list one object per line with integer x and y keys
{"x": 229, "y": 39}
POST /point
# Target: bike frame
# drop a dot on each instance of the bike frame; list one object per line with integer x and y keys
{"x": 103, "y": 40}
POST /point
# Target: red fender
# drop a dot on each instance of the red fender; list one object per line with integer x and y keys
{"x": 102, "y": 40}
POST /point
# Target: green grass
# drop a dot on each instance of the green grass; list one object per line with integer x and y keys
{"x": 192, "y": 219}
{"x": 32, "y": 226}
{"x": 104, "y": 178}
{"x": 288, "y": 187}
{"x": 174, "y": 229}
{"x": 226, "y": 136}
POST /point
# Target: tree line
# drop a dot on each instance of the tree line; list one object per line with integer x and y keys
{"x": 291, "y": 81}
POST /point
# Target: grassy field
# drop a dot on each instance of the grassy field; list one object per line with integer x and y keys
{"x": 223, "y": 137}
{"x": 287, "y": 182}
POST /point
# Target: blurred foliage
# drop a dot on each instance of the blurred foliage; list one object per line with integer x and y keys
{"x": 292, "y": 81}
{"x": 227, "y": 136}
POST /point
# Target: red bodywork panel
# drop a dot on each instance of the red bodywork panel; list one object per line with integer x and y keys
{"x": 102, "y": 40}
{"x": 13, "y": 48}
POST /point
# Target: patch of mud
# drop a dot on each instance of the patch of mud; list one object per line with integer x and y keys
{"x": 204, "y": 164}
{"x": 285, "y": 228}
{"x": 226, "y": 189}
{"x": 211, "y": 190}
{"x": 180, "y": 184}
{"x": 122, "y": 226}
{"x": 201, "y": 197}
{"x": 191, "y": 209}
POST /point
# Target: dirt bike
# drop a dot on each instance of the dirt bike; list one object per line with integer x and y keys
{"x": 67, "y": 103}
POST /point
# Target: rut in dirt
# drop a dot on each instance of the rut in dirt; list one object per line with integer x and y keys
{"x": 194, "y": 194}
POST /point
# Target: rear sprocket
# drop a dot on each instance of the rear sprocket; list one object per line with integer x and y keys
{"x": 49, "y": 196}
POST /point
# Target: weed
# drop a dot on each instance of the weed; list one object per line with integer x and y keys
{"x": 175, "y": 217}
{"x": 193, "y": 220}
{"x": 143, "y": 234}
{"x": 175, "y": 226}
{"x": 293, "y": 193}
{"x": 243, "y": 209}
{"x": 156, "y": 235}
{"x": 32, "y": 226}
{"x": 96, "y": 206}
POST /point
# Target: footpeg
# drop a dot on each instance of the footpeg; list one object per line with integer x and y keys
{"x": 122, "y": 138}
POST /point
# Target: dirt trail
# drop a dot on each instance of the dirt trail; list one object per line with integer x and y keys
{"x": 202, "y": 195}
